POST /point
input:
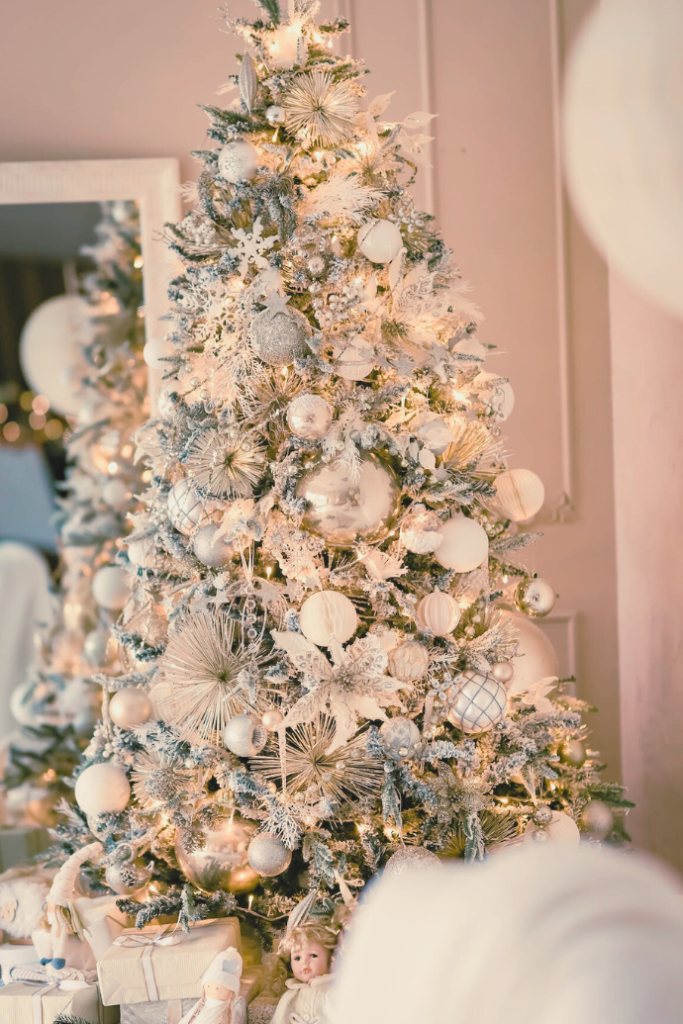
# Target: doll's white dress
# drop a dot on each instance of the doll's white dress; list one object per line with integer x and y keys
{"x": 304, "y": 1002}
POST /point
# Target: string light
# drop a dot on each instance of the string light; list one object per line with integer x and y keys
{"x": 11, "y": 431}
{"x": 4, "y": 413}
{"x": 113, "y": 467}
{"x": 41, "y": 404}
{"x": 137, "y": 262}
{"x": 53, "y": 430}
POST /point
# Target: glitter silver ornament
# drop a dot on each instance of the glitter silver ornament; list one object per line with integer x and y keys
{"x": 280, "y": 337}
{"x": 409, "y": 857}
{"x": 130, "y": 707}
{"x": 223, "y": 851}
{"x": 128, "y": 876}
{"x": 237, "y": 161}
{"x": 268, "y": 855}
{"x": 209, "y": 549}
{"x": 400, "y": 737}
{"x": 344, "y": 509}
{"x": 315, "y": 265}
{"x": 503, "y": 671}
{"x": 409, "y": 661}
{"x": 543, "y": 815}
{"x": 185, "y": 508}
{"x": 597, "y": 819}
{"x": 535, "y": 597}
{"x": 309, "y": 417}
{"x": 275, "y": 115}
{"x": 245, "y": 735}
{"x": 480, "y": 702}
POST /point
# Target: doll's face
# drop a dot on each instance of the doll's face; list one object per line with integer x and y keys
{"x": 310, "y": 960}
{"x": 214, "y": 990}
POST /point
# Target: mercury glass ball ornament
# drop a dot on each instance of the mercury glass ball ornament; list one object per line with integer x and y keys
{"x": 185, "y": 508}
{"x": 272, "y": 719}
{"x": 407, "y": 858}
{"x": 110, "y": 587}
{"x": 380, "y": 241}
{"x": 237, "y": 161}
{"x": 535, "y": 597}
{"x": 543, "y": 815}
{"x": 597, "y": 819}
{"x": 102, "y": 789}
{"x": 420, "y": 532}
{"x": 223, "y": 851}
{"x": 268, "y": 855}
{"x": 561, "y": 829}
{"x": 400, "y": 737}
{"x": 572, "y": 752}
{"x": 245, "y": 736}
{"x": 409, "y": 661}
{"x": 309, "y": 417}
{"x": 344, "y": 508}
{"x": 503, "y": 671}
{"x": 464, "y": 545}
{"x": 210, "y": 549}
{"x": 127, "y": 877}
{"x": 130, "y": 707}
{"x": 275, "y": 115}
{"x": 480, "y": 703}
{"x": 315, "y": 265}
{"x": 280, "y": 337}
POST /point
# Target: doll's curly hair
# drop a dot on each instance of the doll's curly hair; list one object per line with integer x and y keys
{"x": 322, "y": 930}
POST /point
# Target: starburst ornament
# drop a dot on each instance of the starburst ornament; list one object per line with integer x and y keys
{"x": 225, "y": 467}
{"x": 158, "y": 778}
{"x": 320, "y": 110}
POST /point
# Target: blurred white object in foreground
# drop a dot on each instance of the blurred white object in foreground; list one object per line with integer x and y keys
{"x": 623, "y": 140}
{"x": 545, "y": 935}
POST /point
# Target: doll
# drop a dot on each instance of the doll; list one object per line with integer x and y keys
{"x": 310, "y": 946}
{"x": 57, "y": 945}
{"x": 221, "y": 986}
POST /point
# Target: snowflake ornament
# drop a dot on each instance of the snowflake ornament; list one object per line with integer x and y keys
{"x": 251, "y": 247}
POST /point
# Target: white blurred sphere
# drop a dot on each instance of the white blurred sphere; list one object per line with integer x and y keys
{"x": 102, "y": 789}
{"x": 110, "y": 587}
{"x": 465, "y": 544}
{"x": 115, "y": 494}
{"x": 535, "y": 659}
{"x": 156, "y": 352}
{"x": 380, "y": 241}
{"x": 51, "y": 349}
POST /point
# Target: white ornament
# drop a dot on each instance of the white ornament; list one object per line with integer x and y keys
{"x": 95, "y": 646}
{"x": 185, "y": 508}
{"x": 519, "y": 494}
{"x": 130, "y": 707}
{"x": 268, "y": 855}
{"x": 400, "y": 737}
{"x": 535, "y": 658}
{"x": 380, "y": 241}
{"x": 355, "y": 362}
{"x": 275, "y": 115}
{"x": 280, "y": 336}
{"x": 51, "y": 350}
{"x": 408, "y": 858}
{"x": 309, "y": 417}
{"x": 500, "y": 397}
{"x": 210, "y": 549}
{"x": 535, "y": 597}
{"x": 245, "y": 735}
{"x": 409, "y": 661}
{"x": 238, "y": 161}
{"x": 157, "y": 351}
{"x": 465, "y": 544}
{"x": 623, "y": 138}
{"x": 480, "y": 702}
{"x": 439, "y": 613}
{"x": 562, "y": 829}
{"x": 166, "y": 407}
{"x": 110, "y": 587}
{"x": 328, "y": 615}
{"x": 271, "y": 719}
{"x": 436, "y": 434}
{"x": 142, "y": 552}
{"x": 115, "y": 494}
{"x": 102, "y": 789}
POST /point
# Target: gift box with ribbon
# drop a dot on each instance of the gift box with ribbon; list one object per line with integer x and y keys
{"x": 41, "y": 1002}
{"x": 147, "y": 965}
{"x": 171, "y": 1011}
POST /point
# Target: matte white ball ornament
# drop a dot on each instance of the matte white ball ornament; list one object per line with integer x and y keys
{"x": 356, "y": 362}
{"x": 380, "y": 241}
{"x": 309, "y": 417}
{"x": 480, "y": 703}
{"x": 245, "y": 735}
{"x": 561, "y": 829}
{"x": 400, "y": 737}
{"x": 238, "y": 161}
{"x": 535, "y": 658}
{"x": 465, "y": 544}
{"x": 535, "y": 597}
{"x": 115, "y": 494}
{"x": 102, "y": 789}
{"x": 142, "y": 552}
{"x": 328, "y": 614}
{"x": 438, "y": 612}
{"x": 409, "y": 857}
{"x": 110, "y": 587}
{"x": 519, "y": 494}
{"x": 211, "y": 549}
{"x": 157, "y": 351}
{"x": 500, "y": 398}
{"x": 185, "y": 508}
{"x": 51, "y": 349}
{"x": 268, "y": 855}
{"x": 503, "y": 671}
{"x": 130, "y": 707}
{"x": 409, "y": 661}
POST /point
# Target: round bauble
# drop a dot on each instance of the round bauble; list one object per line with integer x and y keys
{"x": 51, "y": 350}
{"x": 561, "y": 829}
{"x": 597, "y": 819}
{"x": 480, "y": 703}
{"x": 519, "y": 494}
{"x": 268, "y": 855}
{"x": 499, "y": 398}
{"x": 502, "y": 671}
{"x": 409, "y": 661}
{"x": 130, "y": 707}
{"x": 543, "y": 815}
{"x": 327, "y": 614}
{"x": 275, "y": 115}
{"x": 102, "y": 789}
{"x": 407, "y": 859}
{"x": 420, "y": 532}
{"x": 245, "y": 736}
{"x": 142, "y": 552}
{"x": 535, "y": 658}
{"x": 243, "y": 880}
{"x": 464, "y": 544}
{"x": 211, "y": 549}
{"x": 127, "y": 877}
{"x": 315, "y": 265}
{"x": 535, "y": 597}
{"x": 238, "y": 161}
{"x": 272, "y": 719}
{"x": 39, "y": 808}
{"x": 115, "y": 494}
{"x": 110, "y": 587}
{"x": 380, "y": 241}
{"x": 96, "y": 645}
{"x": 224, "y": 850}
{"x": 309, "y": 417}
{"x": 438, "y": 613}
{"x": 400, "y": 737}
{"x": 185, "y": 508}
{"x": 280, "y": 337}
{"x": 572, "y": 752}
{"x": 157, "y": 352}
{"x": 345, "y": 506}
{"x": 356, "y": 362}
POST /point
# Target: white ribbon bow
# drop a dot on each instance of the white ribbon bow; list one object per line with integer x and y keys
{"x": 146, "y": 944}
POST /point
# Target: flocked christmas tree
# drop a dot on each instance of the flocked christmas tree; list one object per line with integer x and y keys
{"x": 326, "y": 674}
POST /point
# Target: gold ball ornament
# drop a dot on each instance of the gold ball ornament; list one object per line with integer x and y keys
{"x": 464, "y": 545}
{"x": 327, "y": 614}
{"x": 503, "y": 671}
{"x": 400, "y": 737}
{"x": 102, "y": 789}
{"x": 245, "y": 735}
{"x": 519, "y": 494}
{"x": 110, "y": 587}
{"x": 243, "y": 880}
{"x": 130, "y": 707}
{"x": 409, "y": 661}
{"x": 438, "y": 613}
{"x": 562, "y": 829}
{"x": 268, "y": 855}
{"x": 238, "y": 161}
{"x": 407, "y": 858}
{"x": 223, "y": 851}
{"x": 185, "y": 508}
{"x": 343, "y": 506}
{"x": 597, "y": 819}
{"x": 40, "y": 809}
{"x": 309, "y": 417}
{"x": 281, "y": 336}
{"x": 572, "y": 752}
{"x": 380, "y": 241}
{"x": 211, "y": 549}
{"x": 535, "y": 598}
{"x": 480, "y": 703}
{"x": 272, "y": 719}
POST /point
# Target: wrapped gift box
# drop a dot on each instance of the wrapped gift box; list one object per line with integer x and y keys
{"x": 156, "y": 963}
{"x": 22, "y": 1003}
{"x": 16, "y": 955}
{"x": 171, "y": 1011}
{"x": 20, "y": 843}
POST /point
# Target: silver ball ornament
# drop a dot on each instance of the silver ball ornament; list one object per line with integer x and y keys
{"x": 535, "y": 597}
{"x": 597, "y": 819}
{"x": 245, "y": 736}
{"x": 344, "y": 508}
{"x": 130, "y": 707}
{"x": 543, "y": 815}
{"x": 278, "y": 338}
{"x": 400, "y": 737}
{"x": 480, "y": 703}
{"x": 271, "y": 719}
{"x": 309, "y": 417}
{"x": 409, "y": 857}
{"x": 223, "y": 851}
{"x": 268, "y": 855}
{"x": 127, "y": 877}
{"x": 237, "y": 161}
{"x": 315, "y": 265}
{"x": 409, "y": 661}
{"x": 503, "y": 671}
{"x": 275, "y": 115}
{"x": 209, "y": 549}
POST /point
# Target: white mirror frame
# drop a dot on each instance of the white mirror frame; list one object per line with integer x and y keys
{"x": 153, "y": 183}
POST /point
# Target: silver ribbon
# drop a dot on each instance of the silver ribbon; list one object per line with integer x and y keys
{"x": 37, "y": 1001}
